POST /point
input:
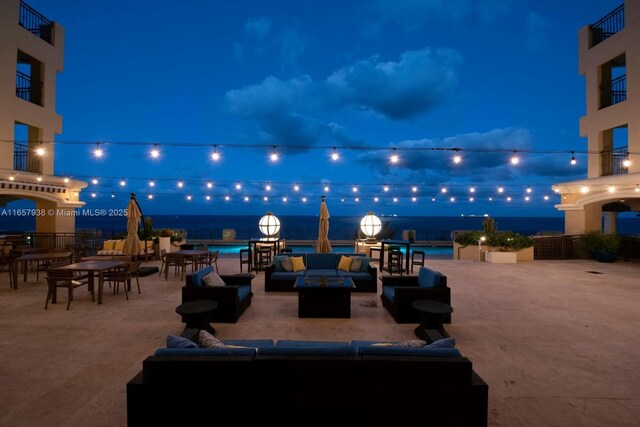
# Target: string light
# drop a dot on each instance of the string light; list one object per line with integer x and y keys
{"x": 471, "y": 199}
{"x": 375, "y": 199}
{"x": 238, "y": 186}
{"x": 296, "y": 187}
{"x": 395, "y": 200}
{"x": 326, "y": 188}
{"x": 527, "y": 198}
{"x": 98, "y": 151}
{"x": 443, "y": 190}
{"x": 414, "y": 189}
{"x": 472, "y": 189}
{"x": 150, "y": 197}
{"x": 500, "y": 189}
{"x": 456, "y": 157}
{"x": 304, "y": 200}
{"x": 452, "y": 199}
{"x": 394, "y": 157}
{"x": 207, "y": 198}
{"x": 94, "y": 181}
{"x": 546, "y": 197}
{"x": 626, "y": 162}
{"x": 152, "y": 184}
{"x": 357, "y": 199}
{"x": 268, "y": 187}
{"x": 529, "y": 189}
{"x": 215, "y": 156}
{"x": 385, "y": 188}
{"x": 123, "y": 182}
{"x": 334, "y": 155}
{"x": 509, "y": 199}
{"x": 355, "y": 189}
{"x": 414, "y": 199}
{"x": 284, "y": 200}
{"x": 265, "y": 198}
{"x": 180, "y": 184}
{"x": 94, "y": 195}
{"x": 113, "y": 195}
{"x": 573, "y": 159}
{"x": 209, "y": 184}
{"x": 40, "y": 151}
{"x": 189, "y": 197}
{"x": 246, "y": 198}
{"x": 155, "y": 153}
{"x": 227, "y": 198}
{"x": 274, "y": 155}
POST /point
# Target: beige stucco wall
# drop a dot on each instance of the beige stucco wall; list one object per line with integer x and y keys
{"x": 470, "y": 253}
{"x": 583, "y": 211}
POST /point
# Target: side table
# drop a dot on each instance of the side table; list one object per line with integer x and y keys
{"x": 432, "y": 313}
{"x": 196, "y": 314}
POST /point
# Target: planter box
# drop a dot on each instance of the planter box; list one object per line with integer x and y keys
{"x": 470, "y": 253}
{"x": 501, "y": 257}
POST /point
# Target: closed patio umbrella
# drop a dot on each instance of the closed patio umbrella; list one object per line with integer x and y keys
{"x": 323, "y": 245}
{"x": 132, "y": 243}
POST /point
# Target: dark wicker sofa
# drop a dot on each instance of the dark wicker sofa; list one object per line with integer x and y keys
{"x": 294, "y": 383}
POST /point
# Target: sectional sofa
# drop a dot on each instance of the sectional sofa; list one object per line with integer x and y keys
{"x": 307, "y": 383}
{"x": 277, "y": 279}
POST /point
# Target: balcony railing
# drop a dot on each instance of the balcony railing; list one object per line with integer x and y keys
{"x": 28, "y": 89}
{"x": 25, "y": 160}
{"x": 35, "y": 23}
{"x": 612, "y": 161}
{"x": 607, "y": 26}
{"x": 614, "y": 92}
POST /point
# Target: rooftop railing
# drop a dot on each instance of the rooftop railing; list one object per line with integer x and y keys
{"x": 28, "y": 89}
{"x": 25, "y": 160}
{"x": 613, "y": 161}
{"x": 609, "y": 25}
{"x": 614, "y": 92}
{"x": 35, "y": 23}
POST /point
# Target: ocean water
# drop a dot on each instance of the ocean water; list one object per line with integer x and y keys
{"x": 306, "y": 227}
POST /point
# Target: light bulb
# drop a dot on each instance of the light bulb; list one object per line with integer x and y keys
{"x": 335, "y": 156}
{"x": 386, "y": 188}
{"x": 457, "y": 159}
{"x": 326, "y": 188}
{"x": 155, "y": 153}
{"x": 180, "y": 184}
{"x": 515, "y": 159}
{"x": 304, "y": 200}
{"x": 209, "y": 185}
{"x": 188, "y": 197}
{"x": 98, "y": 151}
{"x": 123, "y": 183}
{"x": 394, "y": 157}
{"x": 238, "y": 186}
{"x": 94, "y": 181}
{"x": 296, "y": 187}
{"x": 215, "y": 156}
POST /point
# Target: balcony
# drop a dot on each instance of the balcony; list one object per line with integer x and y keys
{"x": 28, "y": 89}
{"x": 25, "y": 160}
{"x": 607, "y": 26}
{"x": 35, "y": 23}
{"x": 613, "y": 161}
{"x": 614, "y": 92}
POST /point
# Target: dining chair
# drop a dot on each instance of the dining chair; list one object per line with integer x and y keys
{"x": 63, "y": 279}
{"x": 178, "y": 262}
{"x": 163, "y": 259}
{"x": 125, "y": 276}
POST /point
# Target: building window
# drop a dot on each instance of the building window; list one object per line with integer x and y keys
{"x": 613, "y": 83}
{"x": 29, "y": 79}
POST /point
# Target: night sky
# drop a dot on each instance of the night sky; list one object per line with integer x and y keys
{"x": 488, "y": 77}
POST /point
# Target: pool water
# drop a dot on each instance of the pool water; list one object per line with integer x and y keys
{"x": 428, "y": 250}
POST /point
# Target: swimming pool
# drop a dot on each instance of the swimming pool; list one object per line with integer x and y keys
{"x": 439, "y": 251}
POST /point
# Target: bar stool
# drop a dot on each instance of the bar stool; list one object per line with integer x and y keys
{"x": 264, "y": 258}
{"x": 417, "y": 258}
{"x": 395, "y": 261}
{"x": 246, "y": 260}
{"x": 375, "y": 258}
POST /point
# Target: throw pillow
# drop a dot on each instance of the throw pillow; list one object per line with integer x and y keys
{"x": 443, "y": 343}
{"x": 298, "y": 263}
{"x": 175, "y": 341}
{"x": 365, "y": 263}
{"x": 287, "y": 265}
{"x": 356, "y": 264}
{"x": 212, "y": 279}
{"x": 345, "y": 263}
{"x": 411, "y": 343}
{"x": 209, "y": 341}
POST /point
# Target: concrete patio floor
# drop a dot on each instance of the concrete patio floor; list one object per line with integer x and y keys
{"x": 558, "y": 342}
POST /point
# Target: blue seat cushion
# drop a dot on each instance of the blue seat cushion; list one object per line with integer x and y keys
{"x": 339, "y": 350}
{"x": 286, "y": 275}
{"x": 303, "y": 343}
{"x": 354, "y": 275}
{"x": 428, "y": 278}
{"x": 249, "y": 351}
{"x": 243, "y": 291}
{"x": 249, "y": 343}
{"x": 389, "y": 292}
{"x": 408, "y": 351}
{"x": 321, "y": 261}
{"x": 175, "y": 341}
{"x": 197, "y": 276}
{"x": 321, "y": 272}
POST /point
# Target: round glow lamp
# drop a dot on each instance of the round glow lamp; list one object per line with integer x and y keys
{"x": 269, "y": 225}
{"x": 370, "y": 226}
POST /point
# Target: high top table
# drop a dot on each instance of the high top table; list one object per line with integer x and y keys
{"x": 390, "y": 242}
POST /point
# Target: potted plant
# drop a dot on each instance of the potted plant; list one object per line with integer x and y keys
{"x": 601, "y": 247}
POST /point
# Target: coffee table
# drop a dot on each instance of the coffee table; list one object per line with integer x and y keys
{"x": 196, "y": 314}
{"x": 432, "y": 314}
{"x": 324, "y": 296}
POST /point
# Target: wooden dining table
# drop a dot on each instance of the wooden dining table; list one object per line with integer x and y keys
{"x": 191, "y": 254}
{"x": 24, "y": 260}
{"x": 92, "y": 268}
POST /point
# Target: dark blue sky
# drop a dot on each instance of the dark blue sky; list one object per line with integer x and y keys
{"x": 362, "y": 76}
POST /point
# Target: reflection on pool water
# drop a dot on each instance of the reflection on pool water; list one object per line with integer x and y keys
{"x": 344, "y": 249}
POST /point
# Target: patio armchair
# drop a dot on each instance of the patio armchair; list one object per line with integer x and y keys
{"x": 399, "y": 292}
{"x": 233, "y": 298}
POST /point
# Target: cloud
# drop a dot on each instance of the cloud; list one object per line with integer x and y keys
{"x": 271, "y": 97}
{"x": 292, "y": 47}
{"x": 258, "y": 27}
{"x": 415, "y": 14}
{"x": 416, "y": 83}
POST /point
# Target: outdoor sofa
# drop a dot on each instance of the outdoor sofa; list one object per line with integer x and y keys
{"x": 308, "y": 383}
{"x": 399, "y": 292}
{"x": 233, "y": 298}
{"x": 277, "y": 279}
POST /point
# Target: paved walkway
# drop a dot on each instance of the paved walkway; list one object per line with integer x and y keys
{"x": 557, "y": 341}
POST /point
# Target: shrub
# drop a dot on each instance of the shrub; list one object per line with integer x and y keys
{"x": 594, "y": 242}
